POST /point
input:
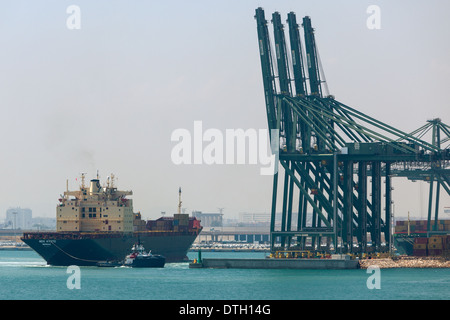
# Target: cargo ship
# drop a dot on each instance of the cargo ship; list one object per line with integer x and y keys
{"x": 97, "y": 224}
{"x": 416, "y": 238}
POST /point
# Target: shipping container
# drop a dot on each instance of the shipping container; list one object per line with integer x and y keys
{"x": 435, "y": 252}
{"x": 435, "y": 239}
{"x": 195, "y": 224}
{"x": 420, "y": 252}
{"x": 435, "y": 246}
{"x": 401, "y": 229}
{"x": 421, "y": 240}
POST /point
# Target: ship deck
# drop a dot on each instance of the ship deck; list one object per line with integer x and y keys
{"x": 72, "y": 235}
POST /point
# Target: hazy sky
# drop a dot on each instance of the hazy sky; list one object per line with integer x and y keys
{"x": 108, "y": 96}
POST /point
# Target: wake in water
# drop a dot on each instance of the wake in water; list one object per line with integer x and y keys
{"x": 177, "y": 265}
{"x": 23, "y": 264}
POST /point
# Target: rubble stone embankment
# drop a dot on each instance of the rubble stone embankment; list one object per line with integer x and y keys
{"x": 405, "y": 262}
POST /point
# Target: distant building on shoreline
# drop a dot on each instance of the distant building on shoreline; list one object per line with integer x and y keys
{"x": 18, "y": 218}
{"x": 22, "y": 219}
{"x": 209, "y": 219}
{"x": 254, "y": 218}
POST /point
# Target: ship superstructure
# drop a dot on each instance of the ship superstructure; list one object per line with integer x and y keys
{"x": 96, "y": 208}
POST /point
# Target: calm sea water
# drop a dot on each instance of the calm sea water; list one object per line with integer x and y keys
{"x": 24, "y": 275}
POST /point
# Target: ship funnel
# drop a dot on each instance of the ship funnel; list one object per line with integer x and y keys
{"x": 95, "y": 186}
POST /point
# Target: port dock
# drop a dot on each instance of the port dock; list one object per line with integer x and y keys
{"x": 336, "y": 262}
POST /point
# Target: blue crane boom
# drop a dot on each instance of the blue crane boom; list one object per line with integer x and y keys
{"x": 267, "y": 68}
{"x": 287, "y": 127}
{"x": 312, "y": 58}
{"x": 297, "y": 56}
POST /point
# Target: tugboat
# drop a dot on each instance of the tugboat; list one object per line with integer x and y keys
{"x": 138, "y": 258}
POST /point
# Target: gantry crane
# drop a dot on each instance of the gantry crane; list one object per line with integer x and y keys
{"x": 329, "y": 150}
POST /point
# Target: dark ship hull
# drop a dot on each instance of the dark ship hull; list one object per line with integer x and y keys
{"x": 155, "y": 261}
{"x": 404, "y": 244}
{"x": 89, "y": 248}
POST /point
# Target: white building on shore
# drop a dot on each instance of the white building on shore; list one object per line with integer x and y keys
{"x": 19, "y": 218}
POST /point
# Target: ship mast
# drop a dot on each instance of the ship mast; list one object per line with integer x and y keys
{"x": 82, "y": 180}
{"x": 112, "y": 180}
{"x": 179, "y": 200}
